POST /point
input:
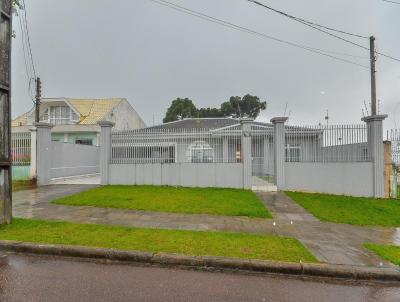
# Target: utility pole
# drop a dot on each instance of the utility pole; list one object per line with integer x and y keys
{"x": 5, "y": 112}
{"x": 373, "y": 71}
{"x": 37, "y": 99}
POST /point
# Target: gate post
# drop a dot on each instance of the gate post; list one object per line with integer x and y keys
{"x": 43, "y": 153}
{"x": 105, "y": 150}
{"x": 375, "y": 149}
{"x": 246, "y": 152}
{"x": 33, "y": 167}
{"x": 279, "y": 151}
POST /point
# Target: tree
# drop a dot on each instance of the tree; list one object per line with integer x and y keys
{"x": 209, "y": 112}
{"x": 15, "y": 6}
{"x": 248, "y": 106}
{"x": 180, "y": 109}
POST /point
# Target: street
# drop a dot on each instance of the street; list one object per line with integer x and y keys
{"x": 45, "y": 278}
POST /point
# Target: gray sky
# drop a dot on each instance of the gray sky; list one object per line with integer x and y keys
{"x": 152, "y": 54}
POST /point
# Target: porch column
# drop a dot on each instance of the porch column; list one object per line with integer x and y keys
{"x": 246, "y": 152}
{"x": 279, "y": 151}
{"x": 376, "y": 152}
{"x": 105, "y": 150}
{"x": 43, "y": 153}
{"x": 225, "y": 154}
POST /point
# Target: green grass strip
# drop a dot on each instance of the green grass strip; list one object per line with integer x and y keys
{"x": 388, "y": 252}
{"x": 213, "y": 201}
{"x": 235, "y": 245}
{"x": 350, "y": 210}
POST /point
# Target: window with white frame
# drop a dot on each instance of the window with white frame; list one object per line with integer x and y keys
{"x": 200, "y": 152}
{"x": 59, "y": 115}
{"x": 292, "y": 153}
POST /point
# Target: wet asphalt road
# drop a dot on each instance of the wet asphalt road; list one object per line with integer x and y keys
{"x": 42, "y": 278}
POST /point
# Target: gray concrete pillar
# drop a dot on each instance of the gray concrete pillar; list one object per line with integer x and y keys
{"x": 43, "y": 155}
{"x": 279, "y": 151}
{"x": 376, "y": 152}
{"x": 266, "y": 153}
{"x": 33, "y": 166}
{"x": 225, "y": 152}
{"x": 105, "y": 150}
{"x": 246, "y": 152}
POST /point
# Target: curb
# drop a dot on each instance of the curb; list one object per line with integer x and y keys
{"x": 245, "y": 265}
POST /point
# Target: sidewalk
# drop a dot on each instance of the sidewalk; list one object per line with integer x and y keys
{"x": 331, "y": 243}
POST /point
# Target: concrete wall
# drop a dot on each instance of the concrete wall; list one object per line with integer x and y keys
{"x": 224, "y": 175}
{"x": 336, "y": 178}
{"x": 21, "y": 172}
{"x": 72, "y": 159}
{"x": 390, "y": 189}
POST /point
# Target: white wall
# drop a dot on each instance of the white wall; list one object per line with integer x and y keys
{"x": 225, "y": 175}
{"x": 72, "y": 159}
{"x": 349, "y": 178}
{"x": 125, "y": 117}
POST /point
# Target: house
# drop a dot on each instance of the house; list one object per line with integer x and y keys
{"x": 234, "y": 153}
{"x": 211, "y": 140}
{"x": 75, "y": 120}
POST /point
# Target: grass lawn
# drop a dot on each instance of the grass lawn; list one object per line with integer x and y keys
{"x": 350, "y": 210}
{"x": 388, "y": 252}
{"x": 236, "y": 245}
{"x": 19, "y": 185}
{"x": 229, "y": 202}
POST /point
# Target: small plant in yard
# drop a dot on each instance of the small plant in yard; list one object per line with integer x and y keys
{"x": 213, "y": 201}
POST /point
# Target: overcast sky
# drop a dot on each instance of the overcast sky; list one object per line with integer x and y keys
{"x": 151, "y": 54}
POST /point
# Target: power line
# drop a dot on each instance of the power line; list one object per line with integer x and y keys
{"x": 394, "y": 2}
{"x": 250, "y": 31}
{"x": 387, "y": 56}
{"x": 306, "y": 22}
{"x": 28, "y": 38}
{"x": 24, "y": 52}
{"x": 319, "y": 28}
{"x": 315, "y": 26}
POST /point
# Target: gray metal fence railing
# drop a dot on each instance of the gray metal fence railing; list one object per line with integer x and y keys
{"x": 262, "y": 152}
{"x": 393, "y": 136}
{"x": 327, "y": 143}
{"x": 21, "y": 148}
{"x": 155, "y": 145}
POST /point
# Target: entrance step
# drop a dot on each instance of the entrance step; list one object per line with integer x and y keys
{"x": 268, "y": 188}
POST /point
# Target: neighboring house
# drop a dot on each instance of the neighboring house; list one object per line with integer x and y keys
{"x": 75, "y": 120}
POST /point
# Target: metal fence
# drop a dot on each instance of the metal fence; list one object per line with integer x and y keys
{"x": 262, "y": 152}
{"x": 393, "y": 136}
{"x": 21, "y": 148}
{"x": 327, "y": 143}
{"x": 155, "y": 145}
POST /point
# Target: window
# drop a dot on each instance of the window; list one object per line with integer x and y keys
{"x": 59, "y": 115}
{"x": 200, "y": 152}
{"x": 292, "y": 153}
{"x": 84, "y": 141}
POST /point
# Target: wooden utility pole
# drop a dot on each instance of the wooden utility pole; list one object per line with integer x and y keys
{"x": 373, "y": 71}
{"x": 5, "y": 111}
{"x": 37, "y": 99}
